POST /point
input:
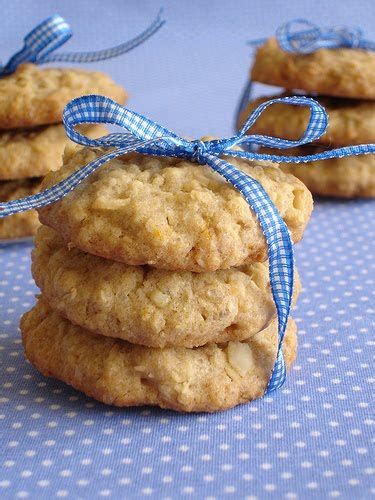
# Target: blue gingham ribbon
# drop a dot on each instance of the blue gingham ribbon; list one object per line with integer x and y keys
{"x": 40, "y": 45}
{"x": 147, "y": 137}
{"x": 303, "y": 37}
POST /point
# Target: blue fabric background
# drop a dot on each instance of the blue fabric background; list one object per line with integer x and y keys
{"x": 314, "y": 438}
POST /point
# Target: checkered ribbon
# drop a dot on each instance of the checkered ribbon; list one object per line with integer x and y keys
{"x": 303, "y": 37}
{"x": 40, "y": 45}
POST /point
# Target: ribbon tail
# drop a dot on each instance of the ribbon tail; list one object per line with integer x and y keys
{"x": 101, "y": 55}
{"x": 280, "y": 252}
{"x": 316, "y": 126}
{"x": 360, "y": 149}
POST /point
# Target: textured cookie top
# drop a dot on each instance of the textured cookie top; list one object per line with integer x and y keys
{"x": 350, "y": 177}
{"x": 337, "y": 72}
{"x": 208, "y": 378}
{"x": 37, "y": 96}
{"x": 35, "y": 151}
{"x": 349, "y": 121}
{"x": 149, "y": 306}
{"x": 170, "y": 213}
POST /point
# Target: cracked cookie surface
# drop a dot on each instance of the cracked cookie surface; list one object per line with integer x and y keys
{"x": 34, "y": 96}
{"x": 336, "y": 72}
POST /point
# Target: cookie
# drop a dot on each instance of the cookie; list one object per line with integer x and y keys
{"x": 23, "y": 224}
{"x": 336, "y": 72}
{"x": 149, "y": 306}
{"x": 170, "y": 213}
{"x": 209, "y": 378}
{"x": 34, "y": 96}
{"x": 35, "y": 151}
{"x": 352, "y": 177}
{"x": 350, "y": 121}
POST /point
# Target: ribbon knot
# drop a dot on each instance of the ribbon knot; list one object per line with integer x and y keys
{"x": 199, "y": 152}
{"x": 41, "y": 43}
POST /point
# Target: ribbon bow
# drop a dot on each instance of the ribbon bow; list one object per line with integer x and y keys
{"x": 41, "y": 43}
{"x": 311, "y": 38}
{"x": 148, "y": 137}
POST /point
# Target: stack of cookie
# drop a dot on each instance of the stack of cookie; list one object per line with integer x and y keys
{"x": 32, "y": 137}
{"x": 154, "y": 283}
{"x": 344, "y": 81}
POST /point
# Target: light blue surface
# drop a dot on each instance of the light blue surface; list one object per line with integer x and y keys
{"x": 314, "y": 438}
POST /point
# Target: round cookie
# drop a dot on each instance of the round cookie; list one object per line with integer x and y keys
{"x": 149, "y": 306}
{"x": 352, "y": 177}
{"x": 209, "y": 378}
{"x": 170, "y": 213}
{"x": 23, "y": 224}
{"x": 336, "y": 72}
{"x": 350, "y": 121}
{"x": 34, "y": 96}
{"x": 32, "y": 152}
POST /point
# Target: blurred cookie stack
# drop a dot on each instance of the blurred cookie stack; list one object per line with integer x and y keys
{"x": 154, "y": 283}
{"x": 343, "y": 81}
{"x": 32, "y": 137}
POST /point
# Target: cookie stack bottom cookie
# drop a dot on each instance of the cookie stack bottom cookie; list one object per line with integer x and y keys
{"x": 126, "y": 335}
{"x": 206, "y": 379}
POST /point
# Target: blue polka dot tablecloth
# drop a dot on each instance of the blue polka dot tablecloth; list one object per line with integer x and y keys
{"x": 312, "y": 439}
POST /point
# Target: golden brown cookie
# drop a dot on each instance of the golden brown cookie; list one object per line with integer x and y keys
{"x": 34, "y": 96}
{"x": 23, "y": 224}
{"x": 350, "y": 121}
{"x": 336, "y": 72}
{"x": 352, "y": 177}
{"x": 209, "y": 378}
{"x": 170, "y": 213}
{"x": 149, "y": 306}
{"x": 35, "y": 151}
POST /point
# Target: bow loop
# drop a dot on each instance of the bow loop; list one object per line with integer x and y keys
{"x": 316, "y": 127}
{"x": 303, "y": 40}
{"x": 100, "y": 109}
{"x": 47, "y": 37}
{"x": 41, "y": 43}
